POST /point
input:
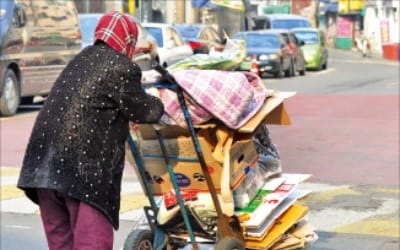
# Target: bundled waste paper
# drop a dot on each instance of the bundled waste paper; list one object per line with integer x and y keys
{"x": 231, "y": 112}
{"x": 229, "y": 59}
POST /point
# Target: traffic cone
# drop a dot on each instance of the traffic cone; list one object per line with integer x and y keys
{"x": 254, "y": 65}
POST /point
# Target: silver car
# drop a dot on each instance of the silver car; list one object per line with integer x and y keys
{"x": 171, "y": 46}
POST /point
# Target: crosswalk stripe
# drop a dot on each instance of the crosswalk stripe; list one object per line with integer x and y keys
{"x": 381, "y": 226}
{"x": 10, "y": 191}
{"x": 14, "y": 200}
{"x": 379, "y": 220}
{"x": 132, "y": 202}
{"x": 19, "y": 205}
{"x": 7, "y": 171}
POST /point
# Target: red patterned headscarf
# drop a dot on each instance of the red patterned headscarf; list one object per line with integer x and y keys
{"x": 119, "y": 31}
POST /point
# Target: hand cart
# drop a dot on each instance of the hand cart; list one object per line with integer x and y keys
{"x": 228, "y": 234}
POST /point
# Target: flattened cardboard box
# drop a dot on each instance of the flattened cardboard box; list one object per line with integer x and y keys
{"x": 183, "y": 157}
{"x": 272, "y": 112}
{"x": 187, "y": 169}
{"x": 294, "y": 214}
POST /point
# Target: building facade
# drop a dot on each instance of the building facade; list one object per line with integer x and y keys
{"x": 344, "y": 21}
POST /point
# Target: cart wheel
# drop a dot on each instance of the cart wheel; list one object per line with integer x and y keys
{"x": 229, "y": 243}
{"x": 139, "y": 239}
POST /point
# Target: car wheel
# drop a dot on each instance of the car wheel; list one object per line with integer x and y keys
{"x": 320, "y": 66}
{"x": 294, "y": 68}
{"x": 290, "y": 71}
{"x": 279, "y": 73}
{"x": 325, "y": 65}
{"x": 302, "y": 72}
{"x": 229, "y": 243}
{"x": 9, "y": 99}
{"x": 27, "y": 100}
{"x": 139, "y": 239}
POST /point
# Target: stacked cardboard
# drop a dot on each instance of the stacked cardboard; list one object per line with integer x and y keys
{"x": 262, "y": 197}
{"x": 182, "y": 155}
{"x": 271, "y": 220}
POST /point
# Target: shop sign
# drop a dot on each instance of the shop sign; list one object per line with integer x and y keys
{"x": 344, "y": 27}
{"x": 231, "y": 4}
{"x": 348, "y": 6}
{"x": 385, "y": 38}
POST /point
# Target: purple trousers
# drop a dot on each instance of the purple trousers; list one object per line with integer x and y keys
{"x": 70, "y": 224}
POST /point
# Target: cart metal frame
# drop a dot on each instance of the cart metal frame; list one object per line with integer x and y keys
{"x": 229, "y": 234}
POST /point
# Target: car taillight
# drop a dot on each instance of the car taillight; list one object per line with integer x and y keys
{"x": 195, "y": 45}
{"x": 254, "y": 65}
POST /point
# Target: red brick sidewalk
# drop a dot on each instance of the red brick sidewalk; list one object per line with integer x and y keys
{"x": 342, "y": 138}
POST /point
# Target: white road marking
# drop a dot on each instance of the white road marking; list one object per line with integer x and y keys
{"x": 19, "y": 205}
{"x": 131, "y": 187}
{"x": 18, "y": 226}
{"x": 327, "y": 219}
{"x": 390, "y": 85}
{"x": 366, "y": 61}
{"x": 8, "y": 180}
{"x": 321, "y": 72}
{"x": 135, "y": 215}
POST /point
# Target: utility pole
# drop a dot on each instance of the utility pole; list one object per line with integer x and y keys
{"x": 147, "y": 10}
{"x": 314, "y": 13}
{"x": 131, "y": 6}
{"x": 180, "y": 11}
{"x": 247, "y": 14}
{"x": 86, "y": 6}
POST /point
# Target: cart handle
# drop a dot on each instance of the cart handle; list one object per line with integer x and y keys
{"x": 163, "y": 72}
{"x": 225, "y": 224}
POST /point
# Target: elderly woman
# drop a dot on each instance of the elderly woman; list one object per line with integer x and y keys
{"x": 75, "y": 157}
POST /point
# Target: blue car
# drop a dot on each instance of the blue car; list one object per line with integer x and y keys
{"x": 268, "y": 50}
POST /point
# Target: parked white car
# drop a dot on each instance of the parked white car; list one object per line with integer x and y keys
{"x": 171, "y": 46}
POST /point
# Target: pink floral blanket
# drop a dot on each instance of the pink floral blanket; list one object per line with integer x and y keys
{"x": 232, "y": 97}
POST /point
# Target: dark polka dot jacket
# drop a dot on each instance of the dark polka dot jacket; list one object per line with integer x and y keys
{"x": 77, "y": 145}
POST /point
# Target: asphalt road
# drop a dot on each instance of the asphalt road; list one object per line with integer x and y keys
{"x": 344, "y": 131}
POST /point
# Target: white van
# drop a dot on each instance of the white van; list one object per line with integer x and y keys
{"x": 37, "y": 40}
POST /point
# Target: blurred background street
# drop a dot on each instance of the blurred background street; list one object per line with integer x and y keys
{"x": 340, "y": 57}
{"x": 344, "y": 131}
